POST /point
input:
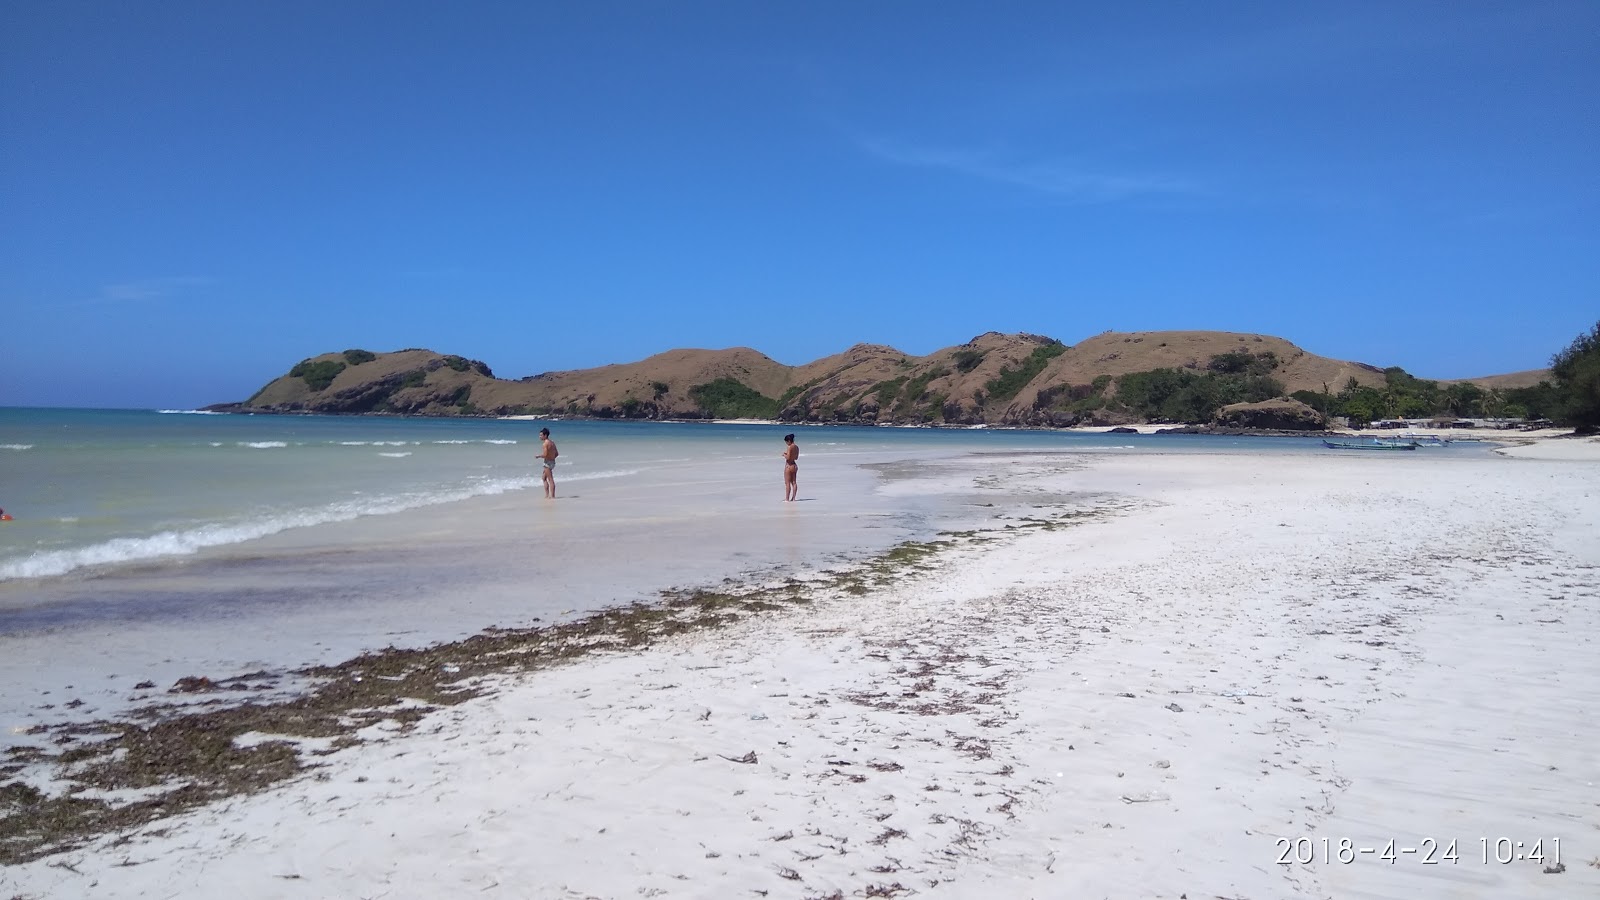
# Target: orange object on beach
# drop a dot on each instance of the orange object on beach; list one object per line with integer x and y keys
{"x": 5, "y": 517}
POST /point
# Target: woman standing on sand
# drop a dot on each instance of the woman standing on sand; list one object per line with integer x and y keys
{"x": 791, "y": 469}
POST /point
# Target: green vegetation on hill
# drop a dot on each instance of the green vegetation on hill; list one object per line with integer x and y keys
{"x": 1243, "y": 362}
{"x": 317, "y": 375}
{"x": 728, "y": 398}
{"x": 1172, "y": 395}
{"x": 357, "y": 357}
{"x": 916, "y": 403}
{"x": 1010, "y": 382}
{"x": 462, "y": 364}
{"x": 967, "y": 360}
{"x": 1079, "y": 399}
{"x": 887, "y": 391}
{"x": 796, "y": 391}
{"x": 1181, "y": 395}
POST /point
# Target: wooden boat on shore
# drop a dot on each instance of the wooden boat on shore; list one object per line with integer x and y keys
{"x": 1373, "y": 444}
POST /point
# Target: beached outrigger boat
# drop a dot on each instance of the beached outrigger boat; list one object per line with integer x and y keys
{"x": 1373, "y": 444}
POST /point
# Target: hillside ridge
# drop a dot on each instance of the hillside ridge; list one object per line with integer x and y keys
{"x": 1018, "y": 379}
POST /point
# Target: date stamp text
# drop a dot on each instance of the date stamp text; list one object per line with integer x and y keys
{"x": 1427, "y": 851}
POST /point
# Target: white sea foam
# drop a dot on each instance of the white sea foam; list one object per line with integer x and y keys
{"x": 591, "y": 476}
{"x": 397, "y": 455}
{"x": 262, "y": 445}
{"x": 498, "y": 441}
{"x": 16, "y": 446}
{"x": 190, "y": 412}
{"x": 192, "y": 540}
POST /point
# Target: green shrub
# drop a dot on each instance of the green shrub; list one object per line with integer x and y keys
{"x": 728, "y": 398}
{"x": 967, "y": 360}
{"x": 1577, "y": 381}
{"x": 357, "y": 357}
{"x": 1179, "y": 395}
{"x": 799, "y": 389}
{"x": 1314, "y": 399}
{"x": 1243, "y": 362}
{"x": 930, "y": 410}
{"x": 414, "y": 378}
{"x": 887, "y": 391}
{"x": 462, "y": 364}
{"x": 1010, "y": 382}
{"x": 1072, "y": 396}
{"x": 911, "y": 396}
{"x": 317, "y": 375}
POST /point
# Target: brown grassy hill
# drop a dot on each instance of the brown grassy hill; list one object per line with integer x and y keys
{"x": 1009, "y": 379}
{"x": 1509, "y": 381}
{"x": 657, "y": 387}
{"x": 1117, "y": 353}
{"x": 835, "y": 382}
{"x": 879, "y": 384}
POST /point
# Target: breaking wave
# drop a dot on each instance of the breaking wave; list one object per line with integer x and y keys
{"x": 184, "y": 542}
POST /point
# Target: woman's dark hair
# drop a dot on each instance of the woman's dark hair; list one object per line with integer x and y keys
{"x": 789, "y": 438}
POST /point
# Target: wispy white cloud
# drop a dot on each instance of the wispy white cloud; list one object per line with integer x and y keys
{"x": 1055, "y": 177}
{"x": 146, "y": 289}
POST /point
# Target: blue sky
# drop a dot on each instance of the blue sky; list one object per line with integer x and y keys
{"x": 194, "y": 196}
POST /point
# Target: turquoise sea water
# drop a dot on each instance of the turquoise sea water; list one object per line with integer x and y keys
{"x": 150, "y": 545}
{"x": 98, "y": 488}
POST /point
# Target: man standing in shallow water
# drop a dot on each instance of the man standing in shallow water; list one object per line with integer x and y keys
{"x": 548, "y": 454}
{"x": 791, "y": 469}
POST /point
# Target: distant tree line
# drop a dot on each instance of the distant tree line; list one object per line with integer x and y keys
{"x": 1571, "y": 397}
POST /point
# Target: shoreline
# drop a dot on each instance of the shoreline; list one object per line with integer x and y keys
{"x": 1489, "y": 435}
{"x": 212, "y": 737}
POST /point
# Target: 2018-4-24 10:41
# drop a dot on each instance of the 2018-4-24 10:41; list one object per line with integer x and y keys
{"x": 1427, "y": 851}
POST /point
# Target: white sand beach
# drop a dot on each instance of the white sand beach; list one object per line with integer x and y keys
{"x": 1240, "y": 661}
